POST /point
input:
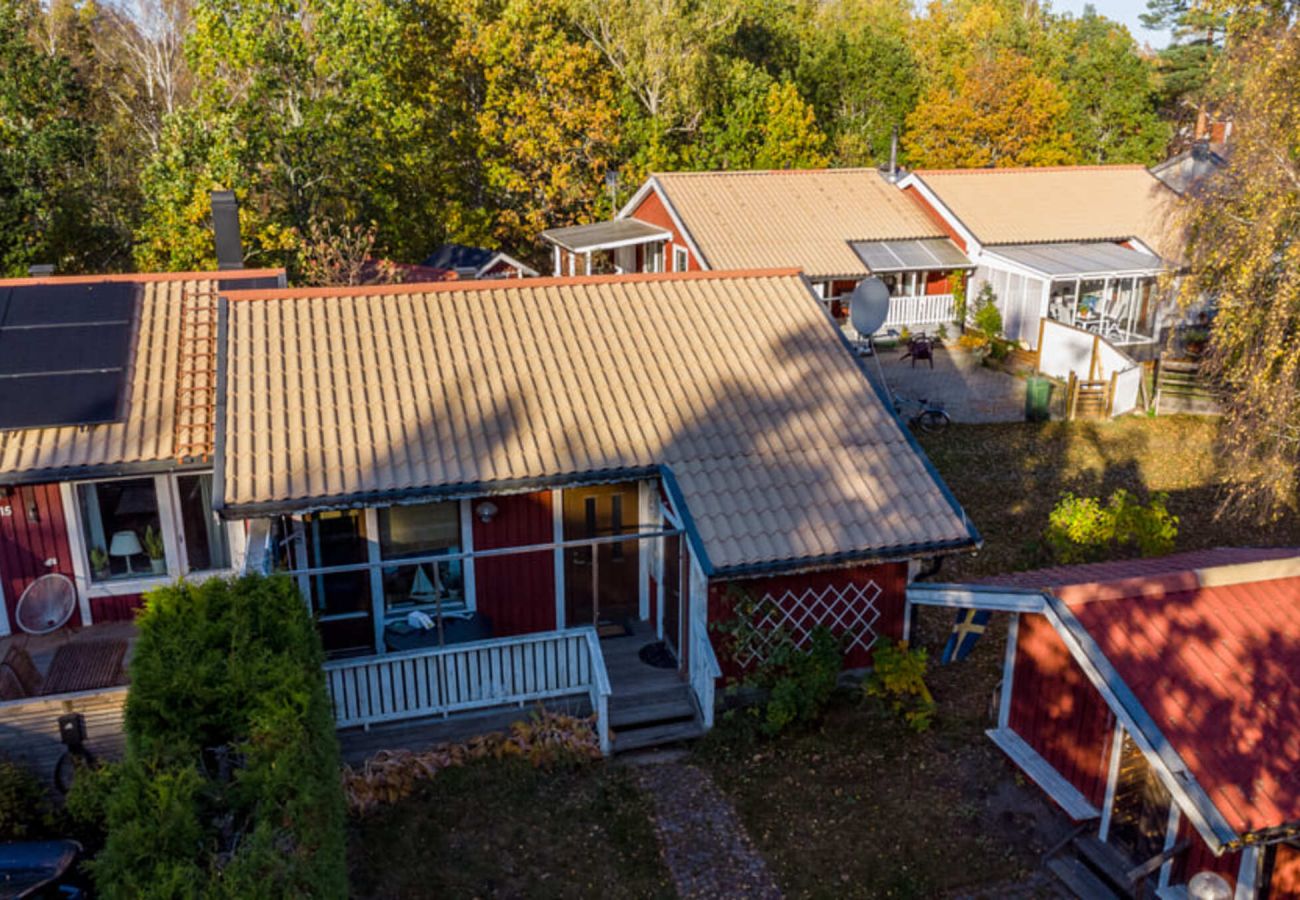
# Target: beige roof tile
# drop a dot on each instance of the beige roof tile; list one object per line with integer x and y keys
{"x": 800, "y": 218}
{"x": 734, "y": 381}
{"x": 147, "y": 432}
{"x": 1067, "y": 203}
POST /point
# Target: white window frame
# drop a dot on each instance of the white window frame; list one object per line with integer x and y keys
{"x": 653, "y": 260}
{"x": 169, "y": 523}
{"x": 681, "y": 258}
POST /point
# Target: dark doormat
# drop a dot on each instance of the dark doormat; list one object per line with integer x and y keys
{"x": 608, "y": 629}
{"x": 658, "y": 655}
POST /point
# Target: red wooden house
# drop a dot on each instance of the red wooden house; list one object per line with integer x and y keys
{"x": 556, "y": 474}
{"x": 836, "y": 225}
{"x": 1158, "y": 703}
{"x": 105, "y": 385}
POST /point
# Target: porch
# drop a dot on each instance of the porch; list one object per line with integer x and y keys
{"x": 632, "y": 682}
{"x": 617, "y": 246}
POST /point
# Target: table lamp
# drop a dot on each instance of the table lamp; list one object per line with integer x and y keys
{"x": 126, "y": 544}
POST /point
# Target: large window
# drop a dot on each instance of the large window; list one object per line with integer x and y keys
{"x": 408, "y": 532}
{"x": 123, "y": 533}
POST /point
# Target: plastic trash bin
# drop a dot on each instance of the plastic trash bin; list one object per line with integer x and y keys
{"x": 1038, "y": 400}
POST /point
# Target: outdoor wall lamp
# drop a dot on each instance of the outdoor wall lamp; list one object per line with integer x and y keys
{"x": 486, "y": 511}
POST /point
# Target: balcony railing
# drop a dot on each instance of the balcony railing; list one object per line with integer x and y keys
{"x": 443, "y": 680}
{"x": 917, "y": 312}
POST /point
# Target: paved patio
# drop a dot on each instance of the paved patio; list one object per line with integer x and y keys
{"x": 971, "y": 393}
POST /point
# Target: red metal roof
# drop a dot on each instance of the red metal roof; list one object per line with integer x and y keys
{"x": 1213, "y": 655}
{"x": 1117, "y": 570}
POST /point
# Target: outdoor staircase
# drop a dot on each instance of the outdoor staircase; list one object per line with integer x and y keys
{"x": 1094, "y": 870}
{"x": 649, "y": 706}
{"x": 652, "y": 718}
{"x": 1086, "y": 399}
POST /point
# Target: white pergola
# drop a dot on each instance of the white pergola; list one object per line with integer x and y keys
{"x": 584, "y": 240}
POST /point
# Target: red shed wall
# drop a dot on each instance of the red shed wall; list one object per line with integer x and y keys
{"x": 1057, "y": 711}
{"x": 651, "y": 209}
{"x": 812, "y": 598}
{"x": 32, "y": 531}
{"x": 517, "y": 592}
{"x": 1286, "y": 873}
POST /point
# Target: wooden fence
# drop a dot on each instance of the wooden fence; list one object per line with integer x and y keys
{"x": 439, "y": 681}
{"x": 29, "y": 729}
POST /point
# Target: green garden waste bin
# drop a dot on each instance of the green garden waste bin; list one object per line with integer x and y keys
{"x": 1038, "y": 399}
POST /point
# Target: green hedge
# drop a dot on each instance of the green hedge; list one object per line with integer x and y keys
{"x": 230, "y": 787}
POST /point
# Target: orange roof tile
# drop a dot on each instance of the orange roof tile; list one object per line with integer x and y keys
{"x": 735, "y": 381}
{"x": 1060, "y": 203}
{"x": 146, "y": 434}
{"x": 803, "y": 218}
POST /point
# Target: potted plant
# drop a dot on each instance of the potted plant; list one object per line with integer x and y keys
{"x": 99, "y": 562}
{"x": 153, "y": 545}
{"x": 1195, "y": 341}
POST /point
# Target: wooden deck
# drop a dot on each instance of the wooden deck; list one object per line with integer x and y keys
{"x": 649, "y": 706}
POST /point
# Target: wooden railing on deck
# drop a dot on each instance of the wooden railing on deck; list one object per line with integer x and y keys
{"x": 705, "y": 672}
{"x": 442, "y": 680}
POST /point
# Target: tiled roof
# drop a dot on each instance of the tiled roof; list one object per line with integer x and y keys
{"x": 1209, "y": 643}
{"x": 734, "y": 381}
{"x": 799, "y": 218}
{"x": 145, "y": 435}
{"x": 1068, "y": 203}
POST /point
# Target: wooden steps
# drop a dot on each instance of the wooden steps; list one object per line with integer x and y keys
{"x": 649, "y": 706}
{"x": 1079, "y": 879}
{"x": 657, "y": 735}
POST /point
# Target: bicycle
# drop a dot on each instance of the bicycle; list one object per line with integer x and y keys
{"x": 930, "y": 417}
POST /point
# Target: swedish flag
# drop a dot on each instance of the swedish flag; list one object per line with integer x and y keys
{"x": 966, "y": 631}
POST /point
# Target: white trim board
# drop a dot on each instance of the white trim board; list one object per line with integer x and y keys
{"x": 1041, "y": 772}
{"x": 966, "y": 596}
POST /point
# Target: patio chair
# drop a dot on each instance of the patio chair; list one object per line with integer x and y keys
{"x": 19, "y": 677}
{"x": 919, "y": 347}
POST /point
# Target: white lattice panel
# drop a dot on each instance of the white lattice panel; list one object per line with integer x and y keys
{"x": 848, "y": 610}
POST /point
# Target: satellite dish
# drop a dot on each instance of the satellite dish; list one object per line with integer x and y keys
{"x": 47, "y": 604}
{"x": 868, "y": 306}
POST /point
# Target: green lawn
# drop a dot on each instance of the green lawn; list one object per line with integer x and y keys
{"x": 1008, "y": 478}
{"x": 505, "y": 829}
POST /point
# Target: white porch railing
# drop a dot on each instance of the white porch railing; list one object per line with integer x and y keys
{"x": 705, "y": 673}
{"x": 499, "y": 672}
{"x": 923, "y": 309}
{"x": 913, "y": 312}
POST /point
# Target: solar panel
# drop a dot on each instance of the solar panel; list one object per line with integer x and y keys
{"x": 64, "y": 352}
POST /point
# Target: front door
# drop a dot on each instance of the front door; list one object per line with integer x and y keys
{"x": 602, "y": 581}
{"x": 1139, "y": 814}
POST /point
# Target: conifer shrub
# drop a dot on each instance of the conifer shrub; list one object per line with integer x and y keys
{"x": 230, "y": 786}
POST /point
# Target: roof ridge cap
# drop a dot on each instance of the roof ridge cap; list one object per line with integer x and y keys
{"x": 984, "y": 170}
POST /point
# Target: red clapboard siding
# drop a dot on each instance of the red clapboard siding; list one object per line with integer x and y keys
{"x": 891, "y": 578}
{"x": 26, "y": 545}
{"x": 1057, "y": 710}
{"x": 517, "y": 592}
{"x": 651, "y": 209}
{"x": 115, "y": 609}
{"x": 937, "y": 283}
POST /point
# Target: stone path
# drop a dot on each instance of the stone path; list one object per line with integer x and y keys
{"x": 969, "y": 392}
{"x": 704, "y": 843}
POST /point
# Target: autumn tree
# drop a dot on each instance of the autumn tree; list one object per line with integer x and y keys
{"x": 1242, "y": 255}
{"x": 1000, "y": 112}
{"x": 547, "y": 122}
